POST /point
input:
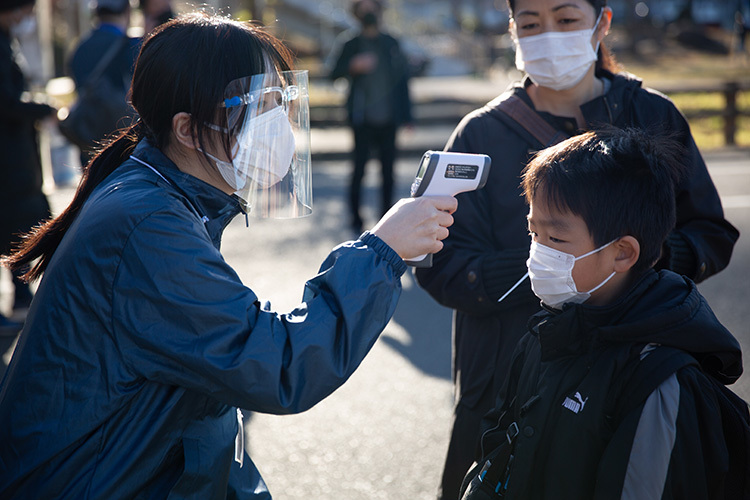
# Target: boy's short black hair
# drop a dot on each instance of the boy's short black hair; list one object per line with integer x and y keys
{"x": 619, "y": 181}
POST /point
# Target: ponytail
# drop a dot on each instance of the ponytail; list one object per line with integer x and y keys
{"x": 42, "y": 241}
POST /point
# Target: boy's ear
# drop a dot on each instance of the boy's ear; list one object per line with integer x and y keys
{"x": 181, "y": 128}
{"x": 628, "y": 251}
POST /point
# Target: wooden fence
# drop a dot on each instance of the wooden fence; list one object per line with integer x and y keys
{"x": 446, "y": 111}
{"x": 731, "y": 112}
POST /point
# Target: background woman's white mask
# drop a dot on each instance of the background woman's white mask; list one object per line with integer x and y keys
{"x": 557, "y": 59}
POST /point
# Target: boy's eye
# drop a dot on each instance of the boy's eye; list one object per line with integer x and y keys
{"x": 528, "y": 26}
{"x": 555, "y": 240}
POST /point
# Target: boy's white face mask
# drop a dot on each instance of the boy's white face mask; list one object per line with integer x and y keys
{"x": 556, "y": 59}
{"x": 551, "y": 275}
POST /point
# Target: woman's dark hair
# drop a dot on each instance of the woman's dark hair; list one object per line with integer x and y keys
{"x": 619, "y": 181}
{"x": 184, "y": 66}
{"x": 605, "y": 59}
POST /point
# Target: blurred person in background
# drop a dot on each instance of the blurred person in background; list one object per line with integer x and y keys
{"x": 142, "y": 343}
{"x": 22, "y": 202}
{"x": 571, "y": 84}
{"x": 112, "y": 22}
{"x": 155, "y": 12}
{"x": 378, "y": 101}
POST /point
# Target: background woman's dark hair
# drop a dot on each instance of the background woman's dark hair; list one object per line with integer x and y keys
{"x": 184, "y": 65}
{"x": 619, "y": 181}
{"x": 605, "y": 60}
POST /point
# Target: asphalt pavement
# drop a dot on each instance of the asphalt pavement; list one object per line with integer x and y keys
{"x": 385, "y": 432}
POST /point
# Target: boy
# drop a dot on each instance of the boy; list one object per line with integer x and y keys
{"x": 601, "y": 400}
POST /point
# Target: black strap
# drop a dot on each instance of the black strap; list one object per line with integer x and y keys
{"x": 103, "y": 63}
{"x": 521, "y": 113}
{"x": 656, "y": 367}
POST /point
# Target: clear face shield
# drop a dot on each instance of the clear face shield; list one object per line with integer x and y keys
{"x": 269, "y": 124}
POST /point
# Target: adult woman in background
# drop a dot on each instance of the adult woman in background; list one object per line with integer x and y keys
{"x": 142, "y": 342}
{"x": 571, "y": 85}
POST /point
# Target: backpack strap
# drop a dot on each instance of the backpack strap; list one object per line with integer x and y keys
{"x": 659, "y": 365}
{"x": 649, "y": 373}
{"x": 103, "y": 64}
{"x": 520, "y": 113}
{"x": 489, "y": 478}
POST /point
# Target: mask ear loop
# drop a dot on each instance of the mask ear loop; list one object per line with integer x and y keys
{"x": 592, "y": 252}
{"x": 593, "y": 30}
{"x": 597, "y": 287}
{"x": 514, "y": 286}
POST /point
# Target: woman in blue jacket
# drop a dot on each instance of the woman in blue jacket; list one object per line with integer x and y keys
{"x": 142, "y": 342}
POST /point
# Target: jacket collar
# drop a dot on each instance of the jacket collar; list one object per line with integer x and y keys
{"x": 577, "y": 328}
{"x": 605, "y": 109}
{"x": 660, "y": 308}
{"x": 216, "y": 208}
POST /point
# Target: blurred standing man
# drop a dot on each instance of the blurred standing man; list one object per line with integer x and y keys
{"x": 113, "y": 20}
{"x": 22, "y": 202}
{"x": 378, "y": 99}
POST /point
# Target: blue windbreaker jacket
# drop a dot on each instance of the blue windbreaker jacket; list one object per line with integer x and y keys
{"x": 142, "y": 342}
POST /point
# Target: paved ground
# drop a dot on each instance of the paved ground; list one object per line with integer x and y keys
{"x": 384, "y": 434}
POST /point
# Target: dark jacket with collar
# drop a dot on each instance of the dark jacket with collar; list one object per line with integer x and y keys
{"x": 395, "y": 93}
{"x": 578, "y": 438}
{"x": 22, "y": 201}
{"x": 486, "y": 251}
{"x": 142, "y": 342}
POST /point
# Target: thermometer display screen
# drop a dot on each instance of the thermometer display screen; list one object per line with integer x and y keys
{"x": 423, "y": 167}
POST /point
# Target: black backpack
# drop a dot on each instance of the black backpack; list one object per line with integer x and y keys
{"x": 488, "y": 479}
{"x": 659, "y": 365}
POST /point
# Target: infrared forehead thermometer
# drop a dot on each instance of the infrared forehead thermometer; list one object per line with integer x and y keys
{"x": 443, "y": 173}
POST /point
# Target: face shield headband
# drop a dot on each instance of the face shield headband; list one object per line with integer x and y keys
{"x": 268, "y": 121}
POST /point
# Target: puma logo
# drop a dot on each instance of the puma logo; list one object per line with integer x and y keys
{"x": 575, "y": 406}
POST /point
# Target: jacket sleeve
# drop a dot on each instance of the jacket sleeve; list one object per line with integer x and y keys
{"x": 11, "y": 107}
{"x": 702, "y": 242}
{"x": 344, "y": 53}
{"x": 670, "y": 447}
{"x": 182, "y": 317}
{"x": 473, "y": 270}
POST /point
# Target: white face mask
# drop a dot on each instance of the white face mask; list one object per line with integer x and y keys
{"x": 557, "y": 59}
{"x": 551, "y": 275}
{"x": 235, "y": 180}
{"x": 263, "y": 151}
{"x": 266, "y": 148}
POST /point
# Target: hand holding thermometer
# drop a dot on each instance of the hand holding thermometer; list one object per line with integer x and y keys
{"x": 444, "y": 173}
